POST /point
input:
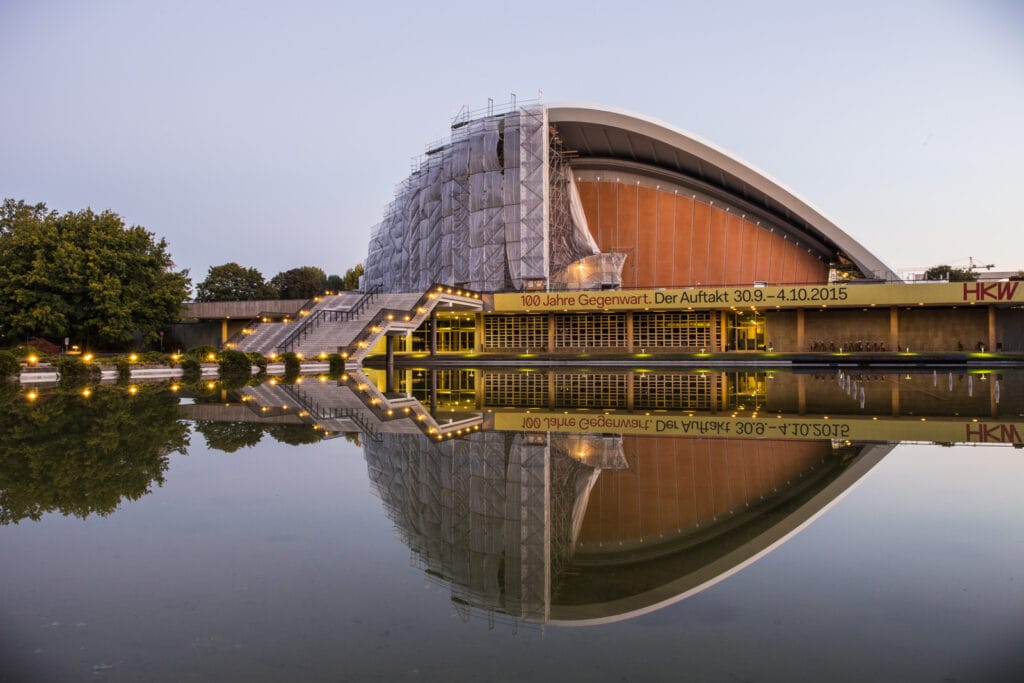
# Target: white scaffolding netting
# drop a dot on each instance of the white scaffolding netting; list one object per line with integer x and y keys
{"x": 472, "y": 213}
{"x": 475, "y": 512}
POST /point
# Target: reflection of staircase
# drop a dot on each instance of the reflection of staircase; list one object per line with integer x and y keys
{"x": 332, "y": 416}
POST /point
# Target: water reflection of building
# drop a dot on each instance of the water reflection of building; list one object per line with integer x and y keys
{"x": 546, "y": 527}
{"x": 554, "y": 496}
{"x": 850, "y": 391}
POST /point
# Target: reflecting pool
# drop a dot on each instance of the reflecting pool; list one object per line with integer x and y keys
{"x": 516, "y": 524}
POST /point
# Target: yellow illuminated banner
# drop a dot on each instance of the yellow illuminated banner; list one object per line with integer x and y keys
{"x": 887, "y": 429}
{"x": 770, "y": 296}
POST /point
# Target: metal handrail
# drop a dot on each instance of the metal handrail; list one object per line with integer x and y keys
{"x": 326, "y": 314}
{"x": 313, "y": 407}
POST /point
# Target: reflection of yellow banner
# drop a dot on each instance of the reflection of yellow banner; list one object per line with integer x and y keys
{"x": 942, "y": 430}
{"x": 939, "y": 293}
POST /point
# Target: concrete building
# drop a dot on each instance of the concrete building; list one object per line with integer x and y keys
{"x": 579, "y": 230}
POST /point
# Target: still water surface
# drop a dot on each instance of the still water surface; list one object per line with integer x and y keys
{"x": 276, "y": 554}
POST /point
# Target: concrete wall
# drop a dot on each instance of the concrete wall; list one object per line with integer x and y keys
{"x": 842, "y": 329}
{"x": 780, "y": 330}
{"x": 929, "y": 393}
{"x": 924, "y": 329}
{"x": 215, "y": 310}
{"x": 184, "y": 336}
{"x": 1010, "y": 328}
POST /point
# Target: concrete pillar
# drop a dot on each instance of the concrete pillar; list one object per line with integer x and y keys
{"x": 629, "y": 332}
{"x": 551, "y": 333}
{"x": 993, "y": 405}
{"x": 895, "y": 396}
{"x": 800, "y": 324}
{"x": 433, "y": 391}
{"x": 478, "y": 337}
{"x": 223, "y": 332}
{"x": 389, "y": 349}
{"x": 991, "y": 328}
{"x": 432, "y": 340}
{"x": 480, "y": 388}
{"x": 551, "y": 389}
{"x": 630, "y": 387}
{"x": 801, "y": 393}
{"x": 894, "y": 329}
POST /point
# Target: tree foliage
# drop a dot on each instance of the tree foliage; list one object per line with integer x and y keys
{"x": 83, "y": 275}
{"x": 230, "y": 436}
{"x": 80, "y": 456}
{"x": 950, "y": 273}
{"x": 232, "y": 282}
{"x": 304, "y": 282}
{"x": 350, "y": 280}
{"x": 352, "y": 275}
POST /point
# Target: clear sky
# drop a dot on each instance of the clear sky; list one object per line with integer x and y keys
{"x": 273, "y": 134}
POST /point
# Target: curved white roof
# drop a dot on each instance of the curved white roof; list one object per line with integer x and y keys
{"x": 613, "y": 134}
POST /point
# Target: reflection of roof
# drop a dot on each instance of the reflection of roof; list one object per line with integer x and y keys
{"x": 615, "y": 135}
{"x": 626, "y": 591}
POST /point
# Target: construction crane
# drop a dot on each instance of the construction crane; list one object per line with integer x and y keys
{"x": 972, "y": 266}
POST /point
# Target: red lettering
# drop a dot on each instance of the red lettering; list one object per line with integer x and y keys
{"x": 999, "y": 291}
{"x": 999, "y": 433}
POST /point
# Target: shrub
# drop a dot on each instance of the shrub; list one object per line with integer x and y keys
{"x": 75, "y": 372}
{"x": 336, "y": 365}
{"x": 9, "y": 364}
{"x": 201, "y": 353}
{"x": 259, "y": 360}
{"x": 191, "y": 370}
{"x": 292, "y": 365}
{"x": 235, "y": 363}
{"x": 124, "y": 370}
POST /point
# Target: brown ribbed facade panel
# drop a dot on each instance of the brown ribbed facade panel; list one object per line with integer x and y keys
{"x": 666, "y": 231}
{"x": 748, "y": 254}
{"x": 672, "y": 240}
{"x": 607, "y": 215}
{"x": 733, "y": 249}
{"x": 779, "y": 251}
{"x": 589, "y": 198}
{"x": 647, "y": 212}
{"x": 672, "y": 484}
{"x": 681, "y": 274}
{"x": 717, "y": 248}
{"x": 625, "y": 233}
{"x": 763, "y": 268}
{"x": 701, "y": 240}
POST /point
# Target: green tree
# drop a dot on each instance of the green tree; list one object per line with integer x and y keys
{"x": 350, "y": 280}
{"x": 79, "y": 456}
{"x": 294, "y": 434}
{"x": 352, "y": 275}
{"x": 83, "y": 275}
{"x": 304, "y": 282}
{"x": 230, "y": 436}
{"x": 950, "y": 273}
{"x": 232, "y": 282}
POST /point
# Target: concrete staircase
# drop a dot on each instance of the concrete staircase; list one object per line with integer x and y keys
{"x": 353, "y": 321}
{"x": 266, "y": 337}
